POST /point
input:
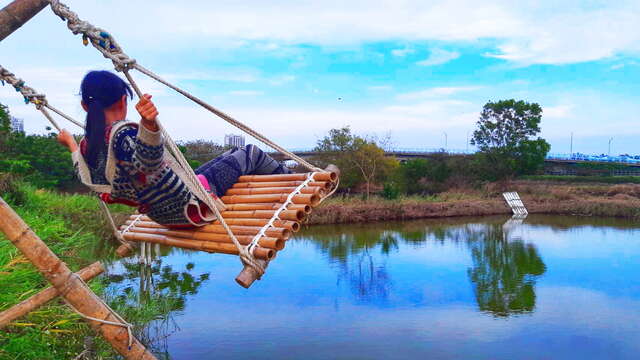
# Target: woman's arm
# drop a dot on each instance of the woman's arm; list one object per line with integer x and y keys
{"x": 142, "y": 147}
{"x": 67, "y": 140}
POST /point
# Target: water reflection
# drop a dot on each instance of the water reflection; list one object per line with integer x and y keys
{"x": 160, "y": 294}
{"x": 503, "y": 274}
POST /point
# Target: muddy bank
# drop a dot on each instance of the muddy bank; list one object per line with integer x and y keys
{"x": 542, "y": 198}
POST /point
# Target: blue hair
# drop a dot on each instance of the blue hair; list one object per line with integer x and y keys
{"x": 99, "y": 90}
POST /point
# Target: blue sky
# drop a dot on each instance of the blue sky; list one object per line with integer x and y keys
{"x": 412, "y": 69}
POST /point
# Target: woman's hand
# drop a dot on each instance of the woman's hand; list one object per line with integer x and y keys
{"x": 148, "y": 111}
{"x": 67, "y": 140}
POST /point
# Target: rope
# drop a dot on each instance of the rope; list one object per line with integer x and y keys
{"x": 276, "y": 216}
{"x": 246, "y": 256}
{"x": 107, "y": 45}
{"x": 122, "y": 322}
{"x": 40, "y": 101}
{"x": 32, "y": 96}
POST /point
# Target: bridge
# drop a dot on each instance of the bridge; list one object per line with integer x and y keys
{"x": 425, "y": 153}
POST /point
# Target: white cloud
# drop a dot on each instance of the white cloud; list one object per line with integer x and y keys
{"x": 281, "y": 80}
{"x": 436, "y": 92}
{"x": 245, "y": 93}
{"x": 380, "y": 88}
{"x": 527, "y": 32}
{"x": 402, "y": 52}
{"x": 559, "y": 111}
{"x": 439, "y": 57}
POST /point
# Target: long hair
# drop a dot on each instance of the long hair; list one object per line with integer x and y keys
{"x": 99, "y": 90}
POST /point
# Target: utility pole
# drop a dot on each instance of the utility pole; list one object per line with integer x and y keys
{"x": 571, "y": 146}
{"x": 609, "y": 152}
{"x": 467, "y": 148}
{"x": 445, "y": 141}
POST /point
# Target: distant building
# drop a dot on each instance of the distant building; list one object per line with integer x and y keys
{"x": 233, "y": 140}
{"x": 17, "y": 125}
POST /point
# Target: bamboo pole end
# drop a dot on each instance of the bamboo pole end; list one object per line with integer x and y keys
{"x": 125, "y": 250}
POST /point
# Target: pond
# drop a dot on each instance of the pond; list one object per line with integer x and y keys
{"x": 466, "y": 288}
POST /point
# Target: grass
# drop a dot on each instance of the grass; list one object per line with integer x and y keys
{"x": 71, "y": 226}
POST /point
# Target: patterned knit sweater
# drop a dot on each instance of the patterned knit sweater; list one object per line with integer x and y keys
{"x": 135, "y": 170}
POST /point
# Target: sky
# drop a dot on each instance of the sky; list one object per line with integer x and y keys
{"x": 417, "y": 71}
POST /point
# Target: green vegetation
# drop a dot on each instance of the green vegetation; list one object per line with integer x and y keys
{"x": 361, "y": 160}
{"x": 505, "y": 140}
{"x": 71, "y": 227}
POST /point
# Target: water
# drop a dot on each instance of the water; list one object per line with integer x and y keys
{"x": 468, "y": 288}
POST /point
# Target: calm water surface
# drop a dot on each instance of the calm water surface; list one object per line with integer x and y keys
{"x": 468, "y": 288}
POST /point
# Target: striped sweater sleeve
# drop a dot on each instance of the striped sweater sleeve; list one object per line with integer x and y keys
{"x": 142, "y": 148}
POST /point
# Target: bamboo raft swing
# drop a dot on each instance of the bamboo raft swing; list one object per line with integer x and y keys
{"x": 267, "y": 207}
{"x": 263, "y": 210}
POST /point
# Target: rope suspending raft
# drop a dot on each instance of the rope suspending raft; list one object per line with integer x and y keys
{"x": 262, "y": 210}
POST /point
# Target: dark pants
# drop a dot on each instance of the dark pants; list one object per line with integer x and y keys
{"x": 224, "y": 171}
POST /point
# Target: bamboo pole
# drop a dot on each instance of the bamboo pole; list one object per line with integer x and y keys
{"x": 287, "y": 224}
{"x": 293, "y": 215}
{"x": 274, "y": 232}
{"x": 323, "y": 176}
{"x": 248, "y": 275}
{"x": 208, "y": 246}
{"x": 17, "y": 13}
{"x": 268, "y": 206}
{"x": 310, "y": 199}
{"x": 275, "y": 190}
{"x": 72, "y": 288}
{"x": 44, "y": 296}
{"x": 245, "y": 185}
{"x": 265, "y": 242}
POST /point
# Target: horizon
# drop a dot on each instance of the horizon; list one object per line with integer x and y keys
{"x": 412, "y": 70}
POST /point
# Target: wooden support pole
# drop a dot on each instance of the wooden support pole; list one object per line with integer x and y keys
{"x": 17, "y": 13}
{"x": 72, "y": 288}
{"x": 44, "y": 296}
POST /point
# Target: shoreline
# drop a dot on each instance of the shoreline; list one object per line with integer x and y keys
{"x": 620, "y": 201}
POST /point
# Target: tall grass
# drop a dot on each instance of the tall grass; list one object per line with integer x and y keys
{"x": 72, "y": 227}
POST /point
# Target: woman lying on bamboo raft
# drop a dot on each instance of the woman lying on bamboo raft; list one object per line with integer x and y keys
{"x": 125, "y": 162}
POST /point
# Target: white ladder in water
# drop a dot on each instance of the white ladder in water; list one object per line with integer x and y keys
{"x": 515, "y": 203}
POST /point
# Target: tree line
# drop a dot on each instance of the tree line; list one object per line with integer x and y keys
{"x": 506, "y": 137}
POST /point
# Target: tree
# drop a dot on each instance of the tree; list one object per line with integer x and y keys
{"x": 5, "y": 126}
{"x": 361, "y": 160}
{"x": 370, "y": 160}
{"x": 199, "y": 152}
{"x": 505, "y": 139}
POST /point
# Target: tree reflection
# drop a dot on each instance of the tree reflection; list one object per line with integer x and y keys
{"x": 161, "y": 291}
{"x": 504, "y": 273}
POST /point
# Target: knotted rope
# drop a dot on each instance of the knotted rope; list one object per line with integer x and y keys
{"x": 110, "y": 49}
{"x": 107, "y": 45}
{"x": 276, "y": 216}
{"x": 32, "y": 96}
{"x": 40, "y": 101}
